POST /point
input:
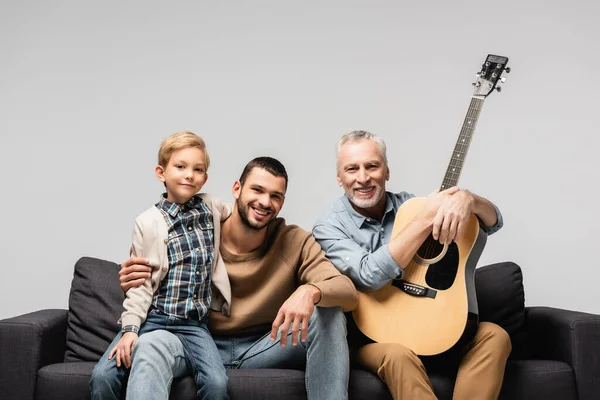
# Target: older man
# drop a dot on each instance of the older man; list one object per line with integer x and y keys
{"x": 355, "y": 232}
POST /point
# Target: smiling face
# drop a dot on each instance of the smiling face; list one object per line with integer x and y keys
{"x": 362, "y": 172}
{"x": 184, "y": 174}
{"x": 260, "y": 198}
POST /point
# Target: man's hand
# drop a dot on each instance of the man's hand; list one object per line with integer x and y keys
{"x": 133, "y": 272}
{"x": 124, "y": 348}
{"x": 452, "y": 214}
{"x": 296, "y": 310}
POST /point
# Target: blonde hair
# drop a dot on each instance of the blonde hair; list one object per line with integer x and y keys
{"x": 178, "y": 141}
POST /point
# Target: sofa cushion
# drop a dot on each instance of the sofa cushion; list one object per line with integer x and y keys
{"x": 501, "y": 299}
{"x": 288, "y": 384}
{"x": 71, "y": 381}
{"x": 64, "y": 381}
{"x": 95, "y": 305}
{"x": 529, "y": 379}
{"x": 538, "y": 380}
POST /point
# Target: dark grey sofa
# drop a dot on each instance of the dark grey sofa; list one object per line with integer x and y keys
{"x": 49, "y": 354}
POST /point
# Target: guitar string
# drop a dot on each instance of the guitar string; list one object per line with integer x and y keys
{"x": 466, "y": 135}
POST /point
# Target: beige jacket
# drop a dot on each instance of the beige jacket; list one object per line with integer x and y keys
{"x": 150, "y": 238}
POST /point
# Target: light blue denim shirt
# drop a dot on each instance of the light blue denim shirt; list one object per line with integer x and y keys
{"x": 357, "y": 245}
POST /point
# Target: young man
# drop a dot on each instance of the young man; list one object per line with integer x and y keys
{"x": 278, "y": 274}
{"x": 177, "y": 234}
{"x": 355, "y": 233}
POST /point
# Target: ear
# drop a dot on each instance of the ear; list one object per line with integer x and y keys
{"x": 339, "y": 180}
{"x": 387, "y": 173}
{"x": 159, "y": 171}
{"x": 236, "y": 190}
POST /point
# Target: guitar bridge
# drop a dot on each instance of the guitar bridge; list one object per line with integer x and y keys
{"x": 415, "y": 290}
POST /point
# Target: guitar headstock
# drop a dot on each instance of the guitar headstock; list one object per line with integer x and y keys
{"x": 490, "y": 74}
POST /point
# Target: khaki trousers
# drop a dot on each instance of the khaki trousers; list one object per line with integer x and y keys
{"x": 480, "y": 371}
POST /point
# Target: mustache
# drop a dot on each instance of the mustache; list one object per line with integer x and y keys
{"x": 364, "y": 187}
{"x": 259, "y": 207}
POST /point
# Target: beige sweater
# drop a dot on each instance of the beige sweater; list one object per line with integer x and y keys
{"x": 150, "y": 238}
{"x": 262, "y": 280}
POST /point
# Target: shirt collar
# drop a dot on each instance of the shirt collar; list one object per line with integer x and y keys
{"x": 360, "y": 219}
{"x": 174, "y": 208}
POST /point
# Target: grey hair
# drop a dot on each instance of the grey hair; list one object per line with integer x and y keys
{"x": 356, "y": 136}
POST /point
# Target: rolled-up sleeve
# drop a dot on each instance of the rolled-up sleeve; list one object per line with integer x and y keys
{"x": 499, "y": 222}
{"x": 368, "y": 270}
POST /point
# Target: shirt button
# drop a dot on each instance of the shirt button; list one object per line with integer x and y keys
{"x": 198, "y": 250}
{"x": 347, "y": 258}
{"x": 164, "y": 269}
{"x": 189, "y": 228}
{"x": 166, "y": 241}
{"x": 368, "y": 219}
{"x": 382, "y": 229}
{"x": 197, "y": 272}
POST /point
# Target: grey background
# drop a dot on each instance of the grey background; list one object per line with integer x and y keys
{"x": 89, "y": 90}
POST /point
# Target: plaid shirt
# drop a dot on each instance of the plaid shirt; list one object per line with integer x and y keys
{"x": 186, "y": 290}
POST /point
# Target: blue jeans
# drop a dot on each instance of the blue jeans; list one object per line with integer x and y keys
{"x": 183, "y": 346}
{"x": 324, "y": 356}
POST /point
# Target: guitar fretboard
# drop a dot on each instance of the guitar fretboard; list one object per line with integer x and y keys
{"x": 462, "y": 144}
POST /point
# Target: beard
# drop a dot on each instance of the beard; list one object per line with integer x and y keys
{"x": 366, "y": 203}
{"x": 243, "y": 210}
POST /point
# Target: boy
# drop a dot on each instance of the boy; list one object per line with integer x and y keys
{"x": 180, "y": 236}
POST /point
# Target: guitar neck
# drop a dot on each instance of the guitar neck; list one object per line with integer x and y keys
{"x": 462, "y": 144}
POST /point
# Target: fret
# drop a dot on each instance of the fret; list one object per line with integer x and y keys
{"x": 462, "y": 144}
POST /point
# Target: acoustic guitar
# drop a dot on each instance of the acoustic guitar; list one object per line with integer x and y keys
{"x": 433, "y": 308}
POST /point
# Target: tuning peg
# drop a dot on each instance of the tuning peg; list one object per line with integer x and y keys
{"x": 503, "y": 79}
{"x": 499, "y": 88}
{"x": 507, "y": 69}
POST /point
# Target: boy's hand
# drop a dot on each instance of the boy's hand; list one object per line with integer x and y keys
{"x": 124, "y": 348}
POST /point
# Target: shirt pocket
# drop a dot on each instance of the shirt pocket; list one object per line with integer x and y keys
{"x": 194, "y": 245}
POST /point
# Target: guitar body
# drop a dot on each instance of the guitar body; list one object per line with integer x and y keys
{"x": 397, "y": 313}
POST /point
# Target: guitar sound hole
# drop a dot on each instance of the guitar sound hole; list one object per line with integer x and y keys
{"x": 442, "y": 274}
{"x": 430, "y": 248}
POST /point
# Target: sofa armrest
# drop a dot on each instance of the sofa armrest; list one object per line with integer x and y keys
{"x": 569, "y": 336}
{"x": 27, "y": 343}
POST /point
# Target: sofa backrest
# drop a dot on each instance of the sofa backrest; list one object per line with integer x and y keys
{"x": 501, "y": 299}
{"x": 95, "y": 305}
{"x": 96, "y": 301}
